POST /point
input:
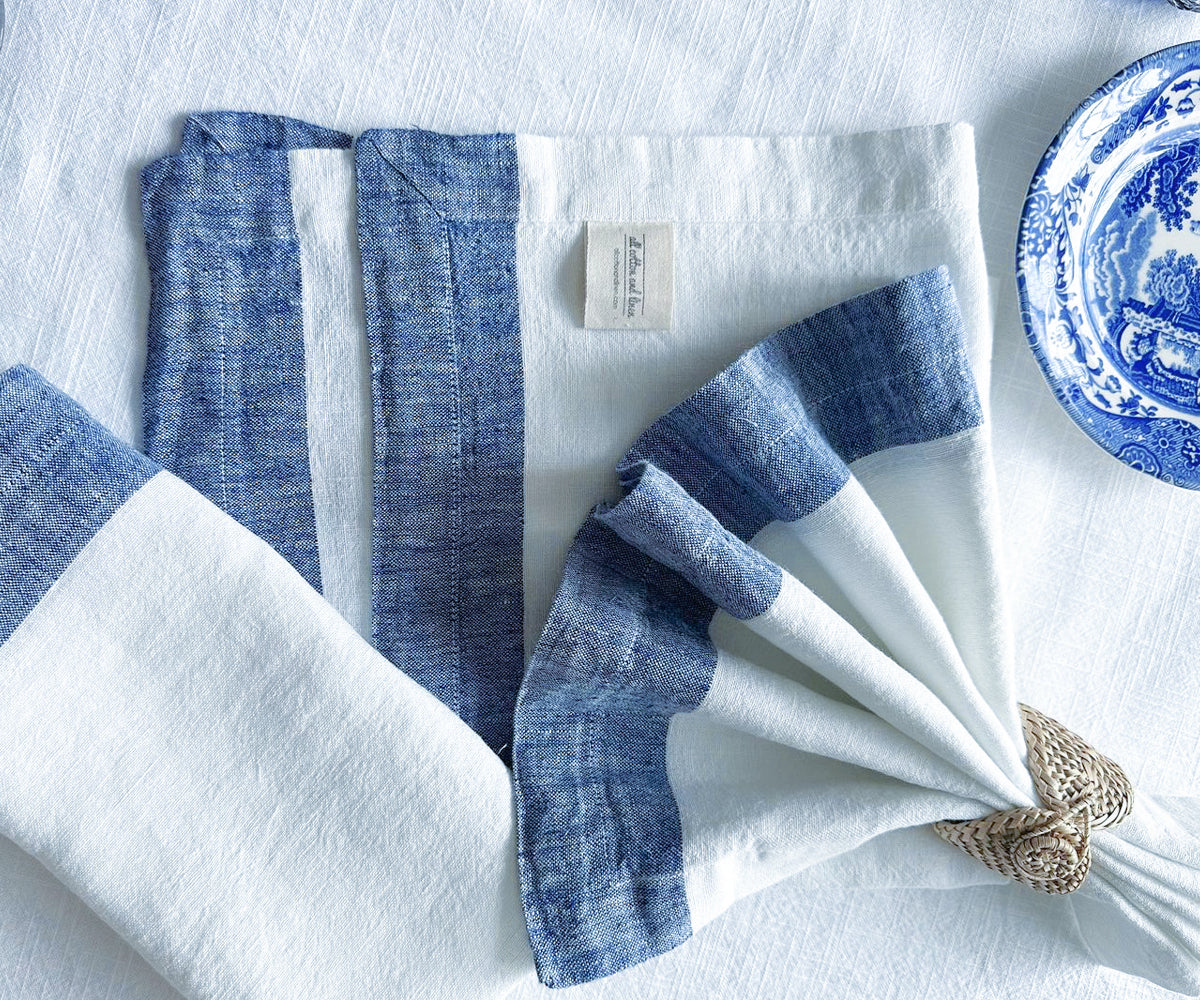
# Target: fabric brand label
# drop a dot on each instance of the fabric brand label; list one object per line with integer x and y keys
{"x": 630, "y": 275}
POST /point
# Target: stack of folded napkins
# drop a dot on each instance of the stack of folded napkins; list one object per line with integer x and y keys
{"x": 783, "y": 647}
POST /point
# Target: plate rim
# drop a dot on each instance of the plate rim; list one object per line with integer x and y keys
{"x": 1034, "y": 339}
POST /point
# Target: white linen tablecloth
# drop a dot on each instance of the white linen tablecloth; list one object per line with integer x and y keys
{"x": 1100, "y": 557}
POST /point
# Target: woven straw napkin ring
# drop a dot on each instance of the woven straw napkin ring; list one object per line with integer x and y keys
{"x": 1047, "y": 848}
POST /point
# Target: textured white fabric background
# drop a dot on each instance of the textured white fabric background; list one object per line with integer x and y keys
{"x": 1101, "y": 559}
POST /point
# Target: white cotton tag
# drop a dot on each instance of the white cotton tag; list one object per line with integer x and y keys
{"x": 630, "y": 275}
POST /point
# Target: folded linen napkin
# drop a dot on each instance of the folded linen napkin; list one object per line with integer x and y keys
{"x": 257, "y": 390}
{"x": 868, "y": 206}
{"x": 387, "y": 432}
{"x": 667, "y": 763}
{"x": 787, "y": 642}
{"x": 213, "y": 760}
{"x": 748, "y": 215}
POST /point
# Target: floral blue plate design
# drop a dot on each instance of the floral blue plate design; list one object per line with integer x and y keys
{"x": 1108, "y": 265}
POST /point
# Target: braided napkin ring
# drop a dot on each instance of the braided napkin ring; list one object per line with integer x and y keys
{"x": 1047, "y": 848}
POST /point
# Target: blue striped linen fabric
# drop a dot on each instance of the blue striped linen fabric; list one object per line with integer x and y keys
{"x": 437, "y": 230}
{"x": 225, "y": 391}
{"x": 224, "y": 395}
{"x": 62, "y": 476}
{"x": 613, "y": 859}
{"x": 213, "y": 760}
{"x": 604, "y": 855}
{"x": 627, "y": 644}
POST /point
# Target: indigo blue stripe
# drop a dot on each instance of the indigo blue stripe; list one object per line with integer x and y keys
{"x": 659, "y": 519}
{"x": 437, "y": 234}
{"x": 62, "y": 476}
{"x": 770, "y": 438}
{"x": 625, "y": 648}
{"x": 224, "y": 394}
{"x": 887, "y": 368}
{"x": 627, "y": 645}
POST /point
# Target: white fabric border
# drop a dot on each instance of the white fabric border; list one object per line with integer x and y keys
{"x": 337, "y": 374}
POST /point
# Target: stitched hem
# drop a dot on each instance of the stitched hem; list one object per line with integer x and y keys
{"x": 62, "y": 476}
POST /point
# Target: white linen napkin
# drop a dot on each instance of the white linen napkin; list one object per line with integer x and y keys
{"x": 213, "y": 760}
{"x": 766, "y": 231}
{"x": 736, "y": 190}
{"x": 787, "y": 642}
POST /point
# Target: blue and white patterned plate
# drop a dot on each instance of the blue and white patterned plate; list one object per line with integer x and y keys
{"x": 1108, "y": 265}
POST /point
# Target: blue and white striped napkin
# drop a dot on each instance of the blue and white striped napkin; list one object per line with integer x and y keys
{"x": 781, "y": 646}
